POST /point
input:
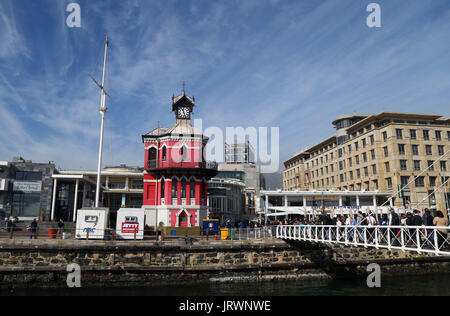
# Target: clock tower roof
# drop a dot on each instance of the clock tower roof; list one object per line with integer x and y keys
{"x": 182, "y": 100}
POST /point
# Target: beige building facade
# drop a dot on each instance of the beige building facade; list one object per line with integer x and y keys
{"x": 402, "y": 154}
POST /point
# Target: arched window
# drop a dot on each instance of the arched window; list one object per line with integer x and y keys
{"x": 163, "y": 188}
{"x": 174, "y": 188}
{"x": 192, "y": 188}
{"x": 152, "y": 158}
{"x": 183, "y": 189}
{"x": 183, "y": 153}
{"x": 164, "y": 153}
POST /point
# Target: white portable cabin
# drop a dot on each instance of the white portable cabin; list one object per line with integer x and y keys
{"x": 129, "y": 221}
{"x": 92, "y": 220}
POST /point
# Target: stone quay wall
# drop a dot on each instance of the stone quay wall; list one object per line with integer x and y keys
{"x": 42, "y": 263}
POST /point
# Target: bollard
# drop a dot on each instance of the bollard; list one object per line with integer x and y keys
{"x": 216, "y": 237}
{"x": 87, "y": 234}
{"x": 11, "y": 233}
{"x": 113, "y": 234}
{"x": 134, "y": 234}
{"x": 207, "y": 235}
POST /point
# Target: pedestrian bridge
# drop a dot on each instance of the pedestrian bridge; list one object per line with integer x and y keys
{"x": 420, "y": 239}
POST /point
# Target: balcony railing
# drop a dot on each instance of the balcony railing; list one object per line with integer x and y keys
{"x": 159, "y": 164}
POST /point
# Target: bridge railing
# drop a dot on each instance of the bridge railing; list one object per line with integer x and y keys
{"x": 421, "y": 239}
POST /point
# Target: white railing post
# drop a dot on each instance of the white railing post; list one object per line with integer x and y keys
{"x": 389, "y": 237}
{"x": 365, "y": 236}
{"x": 419, "y": 246}
{"x": 436, "y": 243}
{"x": 402, "y": 238}
{"x": 376, "y": 238}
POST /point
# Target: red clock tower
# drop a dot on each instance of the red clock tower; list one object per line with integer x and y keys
{"x": 176, "y": 171}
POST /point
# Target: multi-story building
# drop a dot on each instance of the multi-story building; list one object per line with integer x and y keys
{"x": 253, "y": 179}
{"x": 26, "y": 188}
{"x": 383, "y": 152}
{"x": 226, "y": 199}
{"x": 239, "y": 153}
{"x": 176, "y": 171}
{"x": 121, "y": 186}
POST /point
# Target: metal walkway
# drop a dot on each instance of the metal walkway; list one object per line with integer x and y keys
{"x": 419, "y": 239}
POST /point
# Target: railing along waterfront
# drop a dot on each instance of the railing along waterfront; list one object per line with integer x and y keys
{"x": 421, "y": 239}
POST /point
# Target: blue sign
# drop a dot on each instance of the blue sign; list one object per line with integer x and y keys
{"x": 211, "y": 225}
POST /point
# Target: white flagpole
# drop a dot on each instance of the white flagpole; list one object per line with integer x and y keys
{"x": 102, "y": 111}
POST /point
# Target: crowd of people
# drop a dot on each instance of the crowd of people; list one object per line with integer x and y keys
{"x": 360, "y": 219}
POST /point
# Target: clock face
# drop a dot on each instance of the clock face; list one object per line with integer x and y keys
{"x": 183, "y": 112}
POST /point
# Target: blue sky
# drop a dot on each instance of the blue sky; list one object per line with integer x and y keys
{"x": 292, "y": 64}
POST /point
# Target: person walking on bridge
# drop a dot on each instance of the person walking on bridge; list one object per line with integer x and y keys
{"x": 441, "y": 221}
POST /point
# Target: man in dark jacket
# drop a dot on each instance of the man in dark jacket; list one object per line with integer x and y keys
{"x": 427, "y": 218}
{"x": 33, "y": 229}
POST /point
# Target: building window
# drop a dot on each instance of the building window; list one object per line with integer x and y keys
{"x": 389, "y": 183}
{"x": 426, "y": 134}
{"x": 372, "y": 153}
{"x": 388, "y": 168}
{"x": 438, "y": 135}
{"x": 358, "y": 173}
{"x": 448, "y": 135}
{"x": 364, "y": 143}
{"x": 174, "y": 188}
{"x": 386, "y": 151}
{"x": 385, "y": 136}
{"x": 415, "y": 150}
{"x": 356, "y": 146}
{"x": 417, "y": 165}
{"x": 443, "y": 166}
{"x": 349, "y": 162}
{"x": 404, "y": 180}
{"x": 357, "y": 160}
{"x": 403, "y": 166}
{"x": 26, "y": 205}
{"x": 183, "y": 189}
{"x": 441, "y": 150}
{"x": 428, "y": 150}
{"x": 163, "y": 188}
{"x": 413, "y": 133}
{"x": 432, "y": 181}
{"x": 372, "y": 139}
{"x": 364, "y": 157}
{"x": 419, "y": 182}
{"x": 399, "y": 133}
{"x": 28, "y": 176}
{"x": 374, "y": 169}
{"x": 430, "y": 165}
{"x": 366, "y": 171}
{"x": 137, "y": 184}
{"x": 192, "y": 189}
{"x": 164, "y": 153}
{"x": 401, "y": 149}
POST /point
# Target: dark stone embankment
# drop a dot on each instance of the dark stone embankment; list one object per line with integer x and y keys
{"x": 43, "y": 263}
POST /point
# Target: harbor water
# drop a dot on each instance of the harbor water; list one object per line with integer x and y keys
{"x": 429, "y": 284}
